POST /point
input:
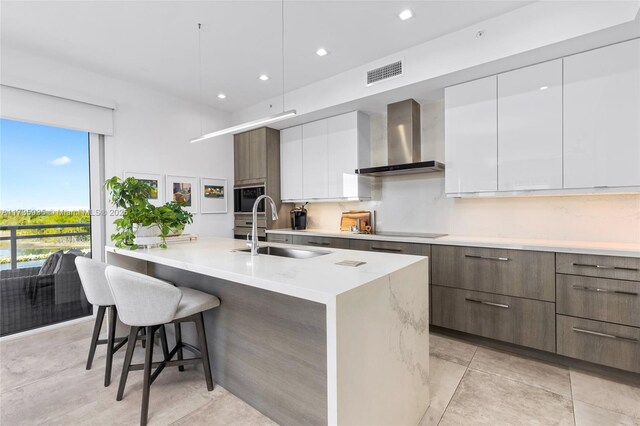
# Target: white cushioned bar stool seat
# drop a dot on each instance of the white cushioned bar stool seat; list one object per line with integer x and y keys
{"x": 194, "y": 301}
{"x": 96, "y": 289}
{"x": 147, "y": 303}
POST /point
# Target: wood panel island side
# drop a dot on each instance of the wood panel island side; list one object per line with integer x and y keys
{"x": 308, "y": 341}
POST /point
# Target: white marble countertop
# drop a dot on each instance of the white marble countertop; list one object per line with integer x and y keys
{"x": 318, "y": 279}
{"x": 563, "y": 246}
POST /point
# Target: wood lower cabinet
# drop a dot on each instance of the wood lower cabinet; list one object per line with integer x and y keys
{"x": 391, "y": 247}
{"x": 327, "y": 242}
{"x": 520, "y": 273}
{"x": 279, "y": 238}
{"x": 516, "y": 320}
{"x": 600, "y": 342}
{"x": 621, "y": 268}
{"x": 601, "y": 299}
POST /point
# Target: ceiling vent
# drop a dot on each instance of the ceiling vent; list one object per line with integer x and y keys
{"x": 384, "y": 73}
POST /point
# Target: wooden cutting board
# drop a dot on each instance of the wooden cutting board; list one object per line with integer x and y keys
{"x": 350, "y": 219}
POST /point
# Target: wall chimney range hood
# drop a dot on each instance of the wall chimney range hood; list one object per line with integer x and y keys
{"x": 403, "y": 143}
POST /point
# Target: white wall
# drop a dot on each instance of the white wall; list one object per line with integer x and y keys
{"x": 418, "y": 203}
{"x": 151, "y": 129}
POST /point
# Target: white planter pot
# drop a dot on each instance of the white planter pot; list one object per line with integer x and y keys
{"x": 147, "y": 235}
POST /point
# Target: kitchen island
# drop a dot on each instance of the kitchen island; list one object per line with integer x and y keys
{"x": 308, "y": 341}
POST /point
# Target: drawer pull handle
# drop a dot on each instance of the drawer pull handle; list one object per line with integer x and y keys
{"x": 248, "y": 223}
{"x": 484, "y": 302}
{"x": 395, "y": 250}
{"x": 315, "y": 243}
{"x": 604, "y": 290}
{"x": 475, "y": 256}
{"x": 609, "y": 336}
{"x": 620, "y": 268}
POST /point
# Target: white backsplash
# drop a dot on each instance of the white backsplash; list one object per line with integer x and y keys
{"x": 417, "y": 203}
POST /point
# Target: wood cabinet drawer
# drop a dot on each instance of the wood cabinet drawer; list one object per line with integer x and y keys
{"x": 341, "y": 243}
{"x": 390, "y": 247}
{"x": 518, "y": 273}
{"x": 600, "y": 342}
{"x": 599, "y": 298}
{"x": 524, "y": 322}
{"x": 621, "y": 268}
{"x": 279, "y": 238}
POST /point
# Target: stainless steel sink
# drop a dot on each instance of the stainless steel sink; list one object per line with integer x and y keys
{"x": 287, "y": 252}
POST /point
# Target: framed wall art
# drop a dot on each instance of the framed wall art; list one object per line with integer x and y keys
{"x": 157, "y": 186}
{"x": 213, "y": 195}
{"x": 183, "y": 189}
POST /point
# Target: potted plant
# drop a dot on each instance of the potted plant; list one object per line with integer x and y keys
{"x": 141, "y": 221}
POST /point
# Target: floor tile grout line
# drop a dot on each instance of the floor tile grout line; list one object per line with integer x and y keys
{"x": 452, "y": 396}
{"x": 466, "y": 369}
{"x": 476, "y": 368}
{"x": 573, "y": 400}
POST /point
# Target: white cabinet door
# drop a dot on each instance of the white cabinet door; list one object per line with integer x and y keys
{"x": 530, "y": 128}
{"x": 471, "y": 131}
{"x": 342, "y": 148}
{"x": 602, "y": 117}
{"x": 315, "y": 160}
{"x": 291, "y": 163}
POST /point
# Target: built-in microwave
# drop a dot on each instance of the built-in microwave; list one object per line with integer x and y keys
{"x": 245, "y": 196}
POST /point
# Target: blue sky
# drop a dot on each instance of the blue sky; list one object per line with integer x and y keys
{"x": 43, "y": 167}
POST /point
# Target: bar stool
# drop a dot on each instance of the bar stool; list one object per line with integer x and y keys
{"x": 97, "y": 291}
{"x": 149, "y": 303}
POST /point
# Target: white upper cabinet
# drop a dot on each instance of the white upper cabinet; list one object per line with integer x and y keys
{"x": 602, "y": 117}
{"x": 471, "y": 133}
{"x": 348, "y": 149}
{"x": 318, "y": 159}
{"x": 530, "y": 128}
{"x": 291, "y": 163}
{"x": 315, "y": 160}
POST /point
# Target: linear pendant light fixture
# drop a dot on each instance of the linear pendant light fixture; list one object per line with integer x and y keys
{"x": 261, "y": 121}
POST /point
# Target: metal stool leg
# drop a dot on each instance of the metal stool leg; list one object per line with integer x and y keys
{"x": 131, "y": 345}
{"x": 96, "y": 333}
{"x": 146, "y": 385}
{"x": 113, "y": 315}
{"x": 178, "y": 329}
{"x": 204, "y": 351}
{"x": 164, "y": 343}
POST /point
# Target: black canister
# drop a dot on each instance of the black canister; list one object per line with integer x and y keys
{"x": 299, "y": 218}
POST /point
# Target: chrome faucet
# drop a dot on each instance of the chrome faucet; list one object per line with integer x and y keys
{"x": 254, "y": 224}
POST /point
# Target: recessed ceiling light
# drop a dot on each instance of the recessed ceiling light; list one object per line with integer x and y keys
{"x": 544, "y": 87}
{"x": 264, "y": 77}
{"x": 221, "y": 96}
{"x": 321, "y": 52}
{"x": 405, "y": 14}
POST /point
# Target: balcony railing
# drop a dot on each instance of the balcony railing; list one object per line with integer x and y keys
{"x": 13, "y": 236}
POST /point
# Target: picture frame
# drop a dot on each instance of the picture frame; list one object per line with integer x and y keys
{"x": 183, "y": 189}
{"x": 156, "y": 181}
{"x": 213, "y": 195}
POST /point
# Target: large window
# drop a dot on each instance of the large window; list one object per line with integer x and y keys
{"x": 44, "y": 224}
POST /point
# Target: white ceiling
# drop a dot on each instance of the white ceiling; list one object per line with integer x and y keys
{"x": 156, "y": 42}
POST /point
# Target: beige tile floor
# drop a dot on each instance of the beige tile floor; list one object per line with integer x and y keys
{"x": 43, "y": 381}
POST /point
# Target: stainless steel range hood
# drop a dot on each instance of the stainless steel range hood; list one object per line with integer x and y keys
{"x": 403, "y": 142}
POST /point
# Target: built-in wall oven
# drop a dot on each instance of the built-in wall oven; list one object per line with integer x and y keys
{"x": 244, "y": 196}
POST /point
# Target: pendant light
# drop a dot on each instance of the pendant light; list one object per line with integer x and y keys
{"x": 255, "y": 123}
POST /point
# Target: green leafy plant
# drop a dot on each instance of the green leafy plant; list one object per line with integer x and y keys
{"x": 132, "y": 195}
